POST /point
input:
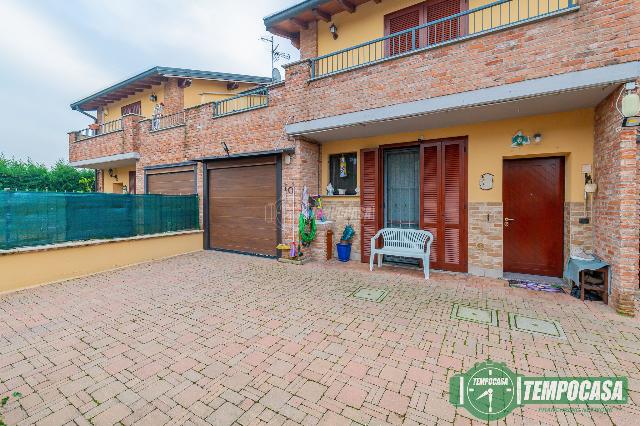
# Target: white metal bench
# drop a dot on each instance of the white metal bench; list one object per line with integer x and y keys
{"x": 412, "y": 243}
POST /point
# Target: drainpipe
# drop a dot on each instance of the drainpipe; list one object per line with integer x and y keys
{"x": 95, "y": 119}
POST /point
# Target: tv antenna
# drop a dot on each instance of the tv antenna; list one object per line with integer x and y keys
{"x": 276, "y": 55}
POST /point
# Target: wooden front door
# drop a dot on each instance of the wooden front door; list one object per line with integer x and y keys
{"x": 533, "y": 197}
{"x": 132, "y": 182}
{"x": 242, "y": 205}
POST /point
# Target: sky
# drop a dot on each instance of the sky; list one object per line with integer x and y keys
{"x": 54, "y": 52}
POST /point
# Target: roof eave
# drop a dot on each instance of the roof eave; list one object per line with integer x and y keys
{"x": 275, "y": 18}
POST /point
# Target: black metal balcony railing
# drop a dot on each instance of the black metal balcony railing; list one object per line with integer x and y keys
{"x": 470, "y": 23}
{"x": 252, "y": 99}
{"x": 168, "y": 121}
{"x": 101, "y": 129}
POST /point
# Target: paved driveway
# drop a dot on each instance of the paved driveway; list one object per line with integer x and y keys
{"x": 221, "y": 338}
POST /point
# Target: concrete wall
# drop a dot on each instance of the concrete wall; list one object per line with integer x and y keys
{"x": 23, "y": 268}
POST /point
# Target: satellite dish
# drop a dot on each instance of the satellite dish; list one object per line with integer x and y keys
{"x": 276, "y": 76}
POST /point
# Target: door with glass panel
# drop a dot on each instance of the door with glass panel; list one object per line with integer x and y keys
{"x": 401, "y": 192}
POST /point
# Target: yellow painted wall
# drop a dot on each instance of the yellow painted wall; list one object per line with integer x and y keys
{"x": 28, "y": 269}
{"x": 204, "y": 91}
{"x": 569, "y": 134}
{"x": 114, "y": 108}
{"x": 367, "y": 23}
{"x": 123, "y": 178}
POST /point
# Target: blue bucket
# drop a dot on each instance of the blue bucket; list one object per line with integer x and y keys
{"x": 344, "y": 252}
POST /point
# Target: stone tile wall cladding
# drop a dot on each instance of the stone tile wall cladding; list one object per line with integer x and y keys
{"x": 340, "y": 212}
{"x": 485, "y": 239}
{"x": 577, "y": 235}
{"x": 494, "y": 59}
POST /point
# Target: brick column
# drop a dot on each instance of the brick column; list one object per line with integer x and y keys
{"x": 616, "y": 238}
{"x": 173, "y": 97}
{"x": 131, "y": 132}
{"x": 302, "y": 171}
{"x": 309, "y": 41}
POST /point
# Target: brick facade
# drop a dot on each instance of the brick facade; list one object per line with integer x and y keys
{"x": 512, "y": 55}
{"x": 616, "y": 202}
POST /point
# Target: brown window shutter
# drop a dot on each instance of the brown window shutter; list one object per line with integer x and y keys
{"x": 134, "y": 108}
{"x": 444, "y": 202}
{"x": 403, "y": 20}
{"x": 431, "y": 194}
{"x": 369, "y": 199}
{"x": 447, "y": 30}
{"x": 454, "y": 208}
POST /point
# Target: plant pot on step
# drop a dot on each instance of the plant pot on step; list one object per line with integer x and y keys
{"x": 344, "y": 251}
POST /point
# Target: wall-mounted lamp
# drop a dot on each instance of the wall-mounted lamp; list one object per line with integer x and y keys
{"x": 333, "y": 30}
{"x": 630, "y": 106}
{"x": 153, "y": 97}
{"x": 113, "y": 175}
{"x": 287, "y": 159}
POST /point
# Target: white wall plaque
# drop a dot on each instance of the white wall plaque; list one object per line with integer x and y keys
{"x": 486, "y": 182}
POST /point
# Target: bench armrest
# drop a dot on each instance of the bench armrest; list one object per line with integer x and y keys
{"x": 374, "y": 238}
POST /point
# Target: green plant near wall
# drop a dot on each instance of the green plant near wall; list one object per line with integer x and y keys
{"x": 19, "y": 175}
{"x": 3, "y": 403}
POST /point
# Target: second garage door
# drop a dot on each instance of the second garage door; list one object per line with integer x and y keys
{"x": 242, "y": 196}
{"x": 171, "y": 180}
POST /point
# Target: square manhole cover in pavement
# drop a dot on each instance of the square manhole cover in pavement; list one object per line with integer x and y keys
{"x": 536, "y": 326}
{"x": 370, "y": 294}
{"x": 479, "y": 315}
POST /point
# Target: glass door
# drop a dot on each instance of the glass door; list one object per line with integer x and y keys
{"x": 402, "y": 192}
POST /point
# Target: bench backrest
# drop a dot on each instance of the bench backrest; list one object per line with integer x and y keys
{"x": 414, "y": 239}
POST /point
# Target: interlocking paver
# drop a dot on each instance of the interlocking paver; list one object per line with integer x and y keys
{"x": 220, "y": 338}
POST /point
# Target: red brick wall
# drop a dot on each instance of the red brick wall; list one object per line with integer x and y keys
{"x": 309, "y": 41}
{"x": 126, "y": 140}
{"x": 616, "y": 219}
{"x": 602, "y": 32}
{"x": 173, "y": 97}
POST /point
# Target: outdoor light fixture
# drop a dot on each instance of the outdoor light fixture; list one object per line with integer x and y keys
{"x": 153, "y": 97}
{"x": 630, "y": 105}
{"x": 287, "y": 159}
{"x": 112, "y": 175}
{"x": 334, "y": 31}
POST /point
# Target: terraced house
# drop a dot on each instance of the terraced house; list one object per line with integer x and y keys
{"x": 478, "y": 120}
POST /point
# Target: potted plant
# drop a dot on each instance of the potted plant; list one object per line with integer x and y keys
{"x": 94, "y": 126}
{"x": 344, "y": 246}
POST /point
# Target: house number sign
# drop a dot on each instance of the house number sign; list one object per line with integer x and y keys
{"x": 486, "y": 182}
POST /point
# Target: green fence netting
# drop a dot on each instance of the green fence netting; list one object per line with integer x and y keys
{"x": 39, "y": 218}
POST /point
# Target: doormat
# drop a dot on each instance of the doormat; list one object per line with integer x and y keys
{"x": 536, "y": 286}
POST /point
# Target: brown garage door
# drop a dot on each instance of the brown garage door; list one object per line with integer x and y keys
{"x": 242, "y": 195}
{"x": 179, "y": 180}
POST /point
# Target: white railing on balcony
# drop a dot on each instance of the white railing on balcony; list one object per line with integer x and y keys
{"x": 163, "y": 122}
{"x": 99, "y": 129}
{"x": 470, "y": 23}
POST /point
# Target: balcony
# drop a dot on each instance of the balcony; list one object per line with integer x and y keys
{"x": 247, "y": 101}
{"x": 471, "y": 23}
{"x": 99, "y": 130}
{"x": 164, "y": 122}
